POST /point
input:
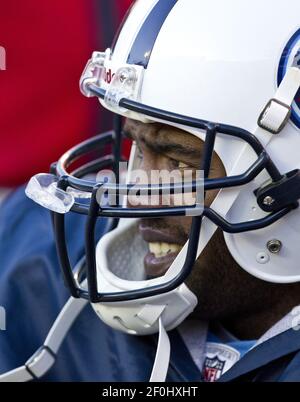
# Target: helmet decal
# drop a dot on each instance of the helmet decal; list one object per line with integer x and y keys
{"x": 144, "y": 42}
{"x": 291, "y": 58}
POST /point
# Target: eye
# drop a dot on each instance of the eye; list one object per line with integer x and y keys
{"x": 176, "y": 164}
{"x": 182, "y": 165}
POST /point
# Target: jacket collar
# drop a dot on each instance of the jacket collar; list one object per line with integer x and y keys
{"x": 274, "y": 348}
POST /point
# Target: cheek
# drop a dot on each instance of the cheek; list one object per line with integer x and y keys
{"x": 186, "y": 225}
{"x": 210, "y": 196}
{"x": 151, "y": 161}
{"x": 217, "y": 172}
{"x": 183, "y": 223}
{"x": 179, "y": 200}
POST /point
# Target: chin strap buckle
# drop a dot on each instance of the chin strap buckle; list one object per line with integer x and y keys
{"x": 277, "y": 112}
{"x": 40, "y": 362}
{"x": 275, "y": 116}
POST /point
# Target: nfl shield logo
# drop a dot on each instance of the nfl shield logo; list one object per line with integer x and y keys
{"x": 291, "y": 58}
{"x": 213, "y": 369}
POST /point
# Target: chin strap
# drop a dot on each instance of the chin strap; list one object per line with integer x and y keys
{"x": 278, "y": 110}
{"x": 162, "y": 357}
{"x": 44, "y": 358}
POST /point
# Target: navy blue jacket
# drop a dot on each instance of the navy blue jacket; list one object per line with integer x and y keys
{"x": 32, "y": 292}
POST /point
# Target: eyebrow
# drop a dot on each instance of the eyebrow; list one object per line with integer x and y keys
{"x": 166, "y": 147}
{"x": 173, "y": 148}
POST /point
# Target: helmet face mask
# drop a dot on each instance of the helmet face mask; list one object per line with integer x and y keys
{"x": 93, "y": 210}
{"x": 251, "y": 211}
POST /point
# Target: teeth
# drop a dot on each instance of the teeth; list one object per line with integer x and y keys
{"x": 162, "y": 249}
{"x": 154, "y": 248}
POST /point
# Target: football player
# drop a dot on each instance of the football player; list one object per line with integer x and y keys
{"x": 209, "y": 90}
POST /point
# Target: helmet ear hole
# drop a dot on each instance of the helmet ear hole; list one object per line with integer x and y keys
{"x": 274, "y": 246}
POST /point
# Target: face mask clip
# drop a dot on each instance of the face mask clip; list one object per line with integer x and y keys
{"x": 92, "y": 73}
{"x": 125, "y": 84}
{"x": 274, "y": 196}
{"x": 42, "y": 188}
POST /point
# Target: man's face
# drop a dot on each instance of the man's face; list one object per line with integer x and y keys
{"x": 164, "y": 148}
{"x": 221, "y": 286}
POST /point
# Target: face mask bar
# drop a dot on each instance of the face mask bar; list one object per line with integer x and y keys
{"x": 94, "y": 211}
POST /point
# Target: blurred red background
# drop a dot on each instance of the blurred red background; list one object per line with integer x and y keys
{"x": 42, "y": 112}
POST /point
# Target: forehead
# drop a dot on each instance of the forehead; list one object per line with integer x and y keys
{"x": 159, "y": 133}
{"x": 171, "y": 141}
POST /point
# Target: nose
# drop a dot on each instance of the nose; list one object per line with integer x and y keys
{"x": 142, "y": 175}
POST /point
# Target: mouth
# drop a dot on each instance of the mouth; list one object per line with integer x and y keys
{"x": 163, "y": 249}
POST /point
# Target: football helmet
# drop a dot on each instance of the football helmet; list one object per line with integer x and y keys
{"x": 227, "y": 73}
